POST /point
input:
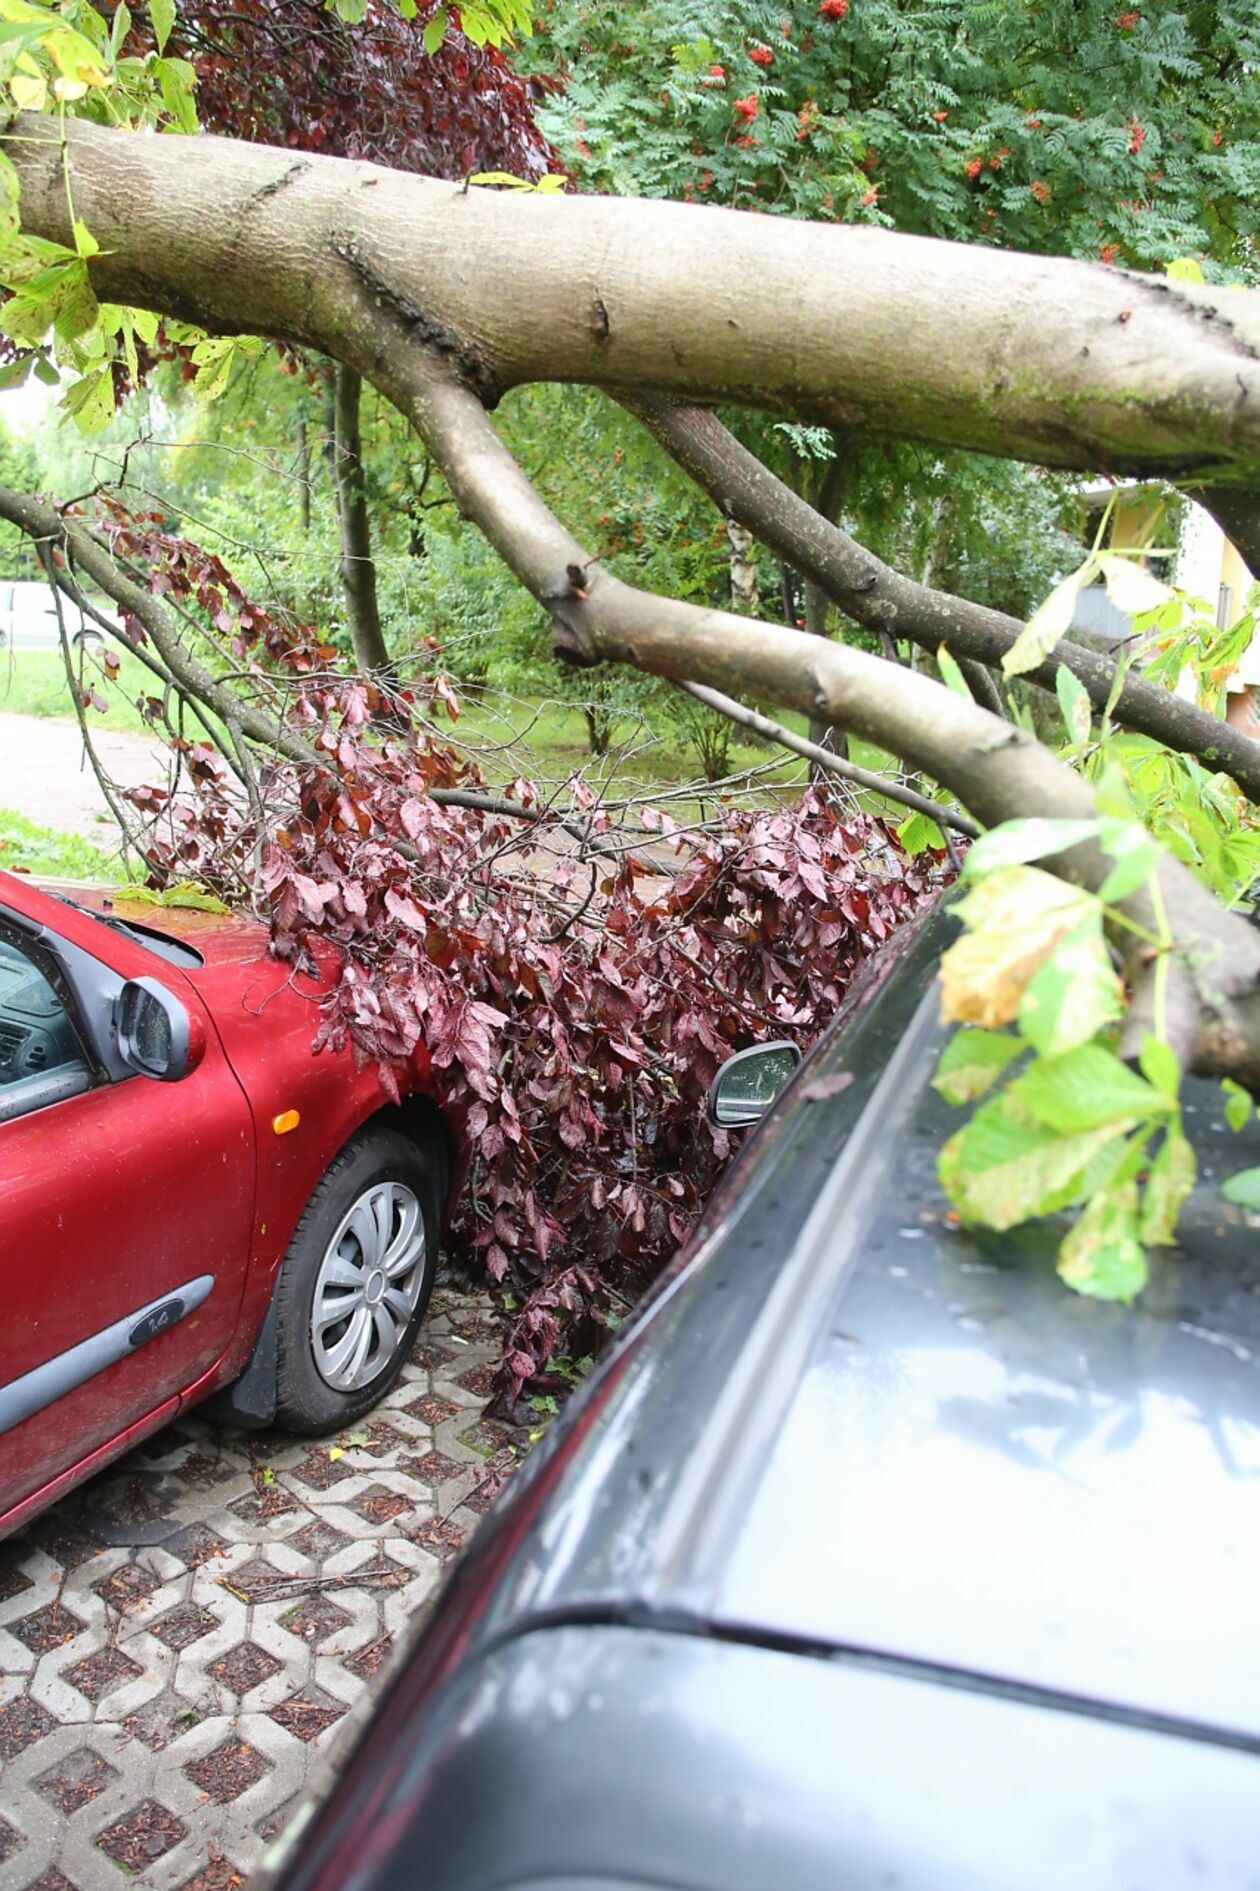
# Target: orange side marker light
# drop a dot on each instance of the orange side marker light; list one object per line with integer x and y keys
{"x": 287, "y": 1120}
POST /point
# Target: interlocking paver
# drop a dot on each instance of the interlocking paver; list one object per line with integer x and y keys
{"x": 47, "y": 1628}
{"x": 182, "y": 1639}
{"x": 76, "y": 1781}
{"x": 246, "y": 1667}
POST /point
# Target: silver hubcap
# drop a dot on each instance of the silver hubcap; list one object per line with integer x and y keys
{"x": 367, "y": 1287}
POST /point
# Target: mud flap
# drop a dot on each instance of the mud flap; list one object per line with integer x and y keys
{"x": 250, "y": 1401}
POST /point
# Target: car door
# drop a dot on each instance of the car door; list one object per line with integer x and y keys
{"x": 126, "y": 1206}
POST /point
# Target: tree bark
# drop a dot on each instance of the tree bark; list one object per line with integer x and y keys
{"x": 743, "y": 570}
{"x": 1059, "y": 362}
{"x": 358, "y": 567}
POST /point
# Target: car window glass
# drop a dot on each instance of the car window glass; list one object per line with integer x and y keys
{"x": 41, "y": 1058}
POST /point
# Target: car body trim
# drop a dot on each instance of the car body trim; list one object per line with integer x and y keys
{"x": 45, "y": 1384}
{"x": 646, "y": 1619}
{"x": 711, "y": 1494}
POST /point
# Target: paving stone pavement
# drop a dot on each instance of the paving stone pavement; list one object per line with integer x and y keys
{"x": 183, "y": 1639}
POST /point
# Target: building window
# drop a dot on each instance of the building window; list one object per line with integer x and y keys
{"x": 1225, "y": 607}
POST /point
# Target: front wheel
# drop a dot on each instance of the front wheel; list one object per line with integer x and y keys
{"x": 355, "y": 1282}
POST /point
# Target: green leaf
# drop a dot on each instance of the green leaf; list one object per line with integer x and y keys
{"x": 1074, "y": 993}
{"x": 1014, "y": 842}
{"x": 161, "y": 19}
{"x": 91, "y": 400}
{"x": 1075, "y": 705}
{"x": 1049, "y": 622}
{"x": 1243, "y": 1189}
{"x": 1238, "y": 1104}
{"x": 84, "y": 242}
{"x": 1084, "y": 1089}
{"x": 435, "y": 31}
{"x": 1003, "y": 1168}
{"x": 1103, "y": 1255}
{"x": 971, "y": 1063}
{"x": 351, "y": 11}
{"x": 120, "y": 29}
{"x": 176, "y": 81}
{"x": 183, "y": 894}
{"x": 1185, "y": 269}
{"x": 77, "y": 310}
{"x": 1170, "y": 1181}
{"x": 1135, "y": 853}
{"x": 1160, "y": 1066}
{"x": 407, "y": 8}
{"x": 919, "y": 832}
{"x": 951, "y": 675}
{"x": 500, "y": 180}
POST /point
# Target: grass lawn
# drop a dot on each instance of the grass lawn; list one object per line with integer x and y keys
{"x": 27, "y": 847}
{"x": 33, "y": 683}
{"x": 509, "y": 735}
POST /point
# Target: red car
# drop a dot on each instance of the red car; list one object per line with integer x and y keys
{"x": 190, "y": 1202}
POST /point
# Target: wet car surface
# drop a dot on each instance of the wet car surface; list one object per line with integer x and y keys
{"x": 870, "y": 1556}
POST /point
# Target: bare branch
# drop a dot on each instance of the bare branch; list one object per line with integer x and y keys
{"x": 830, "y": 763}
{"x": 51, "y": 529}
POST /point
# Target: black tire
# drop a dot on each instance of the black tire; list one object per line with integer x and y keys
{"x": 306, "y": 1402}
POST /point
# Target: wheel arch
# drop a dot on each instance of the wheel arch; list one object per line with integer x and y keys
{"x": 250, "y": 1399}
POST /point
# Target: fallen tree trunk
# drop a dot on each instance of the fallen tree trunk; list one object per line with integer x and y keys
{"x": 1060, "y": 362}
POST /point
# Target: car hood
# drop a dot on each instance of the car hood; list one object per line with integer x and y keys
{"x": 219, "y": 937}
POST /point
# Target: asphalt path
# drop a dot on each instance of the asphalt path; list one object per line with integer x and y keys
{"x": 45, "y": 775}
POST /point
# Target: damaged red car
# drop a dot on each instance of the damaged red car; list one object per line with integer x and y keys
{"x": 191, "y": 1203}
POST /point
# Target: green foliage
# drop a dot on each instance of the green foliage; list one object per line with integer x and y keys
{"x": 1075, "y": 1126}
{"x": 484, "y": 22}
{"x": 26, "y": 847}
{"x": 1075, "y": 126}
{"x": 18, "y": 470}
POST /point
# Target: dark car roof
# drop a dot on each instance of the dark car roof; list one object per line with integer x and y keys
{"x": 848, "y": 1424}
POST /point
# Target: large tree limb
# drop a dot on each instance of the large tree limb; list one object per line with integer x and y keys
{"x": 882, "y": 599}
{"x": 1060, "y": 362}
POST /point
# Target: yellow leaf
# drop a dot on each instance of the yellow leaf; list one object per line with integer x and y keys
{"x": 335, "y": 1453}
{"x": 29, "y": 94}
{"x": 1015, "y": 918}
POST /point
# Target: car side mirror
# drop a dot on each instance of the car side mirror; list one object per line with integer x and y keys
{"x": 748, "y": 1083}
{"x": 155, "y": 1033}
